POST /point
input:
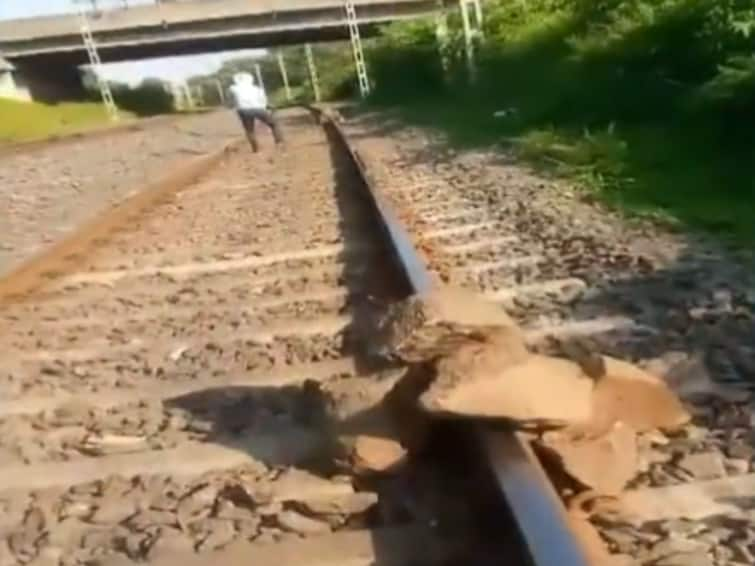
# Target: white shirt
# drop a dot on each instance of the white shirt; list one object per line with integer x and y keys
{"x": 248, "y": 96}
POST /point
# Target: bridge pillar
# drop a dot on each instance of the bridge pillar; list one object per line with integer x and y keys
{"x": 8, "y": 86}
{"x": 50, "y": 83}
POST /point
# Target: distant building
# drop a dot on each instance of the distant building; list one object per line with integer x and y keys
{"x": 8, "y": 86}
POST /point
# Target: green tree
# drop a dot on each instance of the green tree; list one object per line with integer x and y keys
{"x": 151, "y": 97}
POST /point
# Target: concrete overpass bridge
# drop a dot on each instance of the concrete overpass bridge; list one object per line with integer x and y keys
{"x": 46, "y": 51}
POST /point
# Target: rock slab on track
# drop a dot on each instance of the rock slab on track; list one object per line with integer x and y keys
{"x": 477, "y": 365}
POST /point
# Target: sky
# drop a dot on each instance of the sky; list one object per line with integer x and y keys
{"x": 175, "y": 69}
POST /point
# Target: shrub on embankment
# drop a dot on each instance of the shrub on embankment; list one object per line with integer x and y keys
{"x": 650, "y": 103}
{"x": 150, "y": 98}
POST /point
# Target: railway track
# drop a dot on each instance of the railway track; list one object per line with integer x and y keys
{"x": 198, "y": 389}
{"x": 688, "y": 496}
{"x": 194, "y": 391}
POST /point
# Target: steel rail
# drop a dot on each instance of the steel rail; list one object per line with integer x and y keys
{"x": 401, "y": 246}
{"x": 538, "y": 512}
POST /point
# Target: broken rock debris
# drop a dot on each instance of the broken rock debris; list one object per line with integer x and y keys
{"x": 536, "y": 390}
{"x": 605, "y": 462}
{"x": 588, "y": 409}
{"x": 372, "y": 453}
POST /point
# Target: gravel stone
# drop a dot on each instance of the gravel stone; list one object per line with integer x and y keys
{"x": 114, "y": 511}
{"x": 677, "y": 545}
{"x": 169, "y": 541}
{"x": 248, "y": 527}
{"x": 297, "y": 523}
{"x": 696, "y": 559}
{"x": 225, "y": 509}
{"x": 163, "y": 502}
{"x": 7, "y": 557}
{"x": 96, "y": 539}
{"x": 270, "y": 509}
{"x": 740, "y": 450}
{"x": 682, "y": 528}
{"x": 741, "y": 552}
{"x": 622, "y": 540}
{"x": 268, "y": 535}
{"x": 220, "y": 534}
{"x": 349, "y": 504}
{"x": 151, "y": 517}
{"x": 735, "y": 466}
{"x": 68, "y": 533}
{"x": 48, "y": 556}
{"x": 376, "y": 454}
{"x": 77, "y": 509}
{"x": 704, "y": 465}
{"x": 722, "y": 555}
{"x": 136, "y": 545}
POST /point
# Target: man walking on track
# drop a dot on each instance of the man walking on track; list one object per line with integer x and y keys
{"x": 250, "y": 101}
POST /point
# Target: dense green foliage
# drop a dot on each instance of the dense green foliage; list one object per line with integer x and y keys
{"x": 149, "y": 98}
{"x": 650, "y": 103}
{"x": 334, "y": 66}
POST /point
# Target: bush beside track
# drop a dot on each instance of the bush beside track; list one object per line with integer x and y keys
{"x": 648, "y": 104}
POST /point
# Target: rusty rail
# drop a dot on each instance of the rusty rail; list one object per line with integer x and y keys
{"x": 538, "y": 512}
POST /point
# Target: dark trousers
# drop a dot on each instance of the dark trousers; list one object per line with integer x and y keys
{"x": 248, "y": 119}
